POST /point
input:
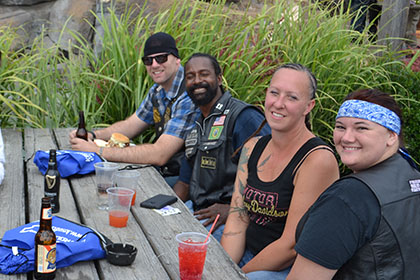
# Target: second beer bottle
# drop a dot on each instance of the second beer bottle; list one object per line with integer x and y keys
{"x": 52, "y": 182}
{"x": 81, "y": 130}
{"x": 45, "y": 244}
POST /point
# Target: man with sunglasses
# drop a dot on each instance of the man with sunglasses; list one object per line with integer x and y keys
{"x": 166, "y": 106}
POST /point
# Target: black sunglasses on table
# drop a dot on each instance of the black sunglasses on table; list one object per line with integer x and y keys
{"x": 134, "y": 166}
{"x": 161, "y": 58}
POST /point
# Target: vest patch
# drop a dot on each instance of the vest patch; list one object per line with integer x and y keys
{"x": 219, "y": 106}
{"x": 156, "y": 115}
{"x": 211, "y": 143}
{"x": 190, "y": 142}
{"x": 192, "y": 138}
{"x": 215, "y": 132}
{"x": 220, "y": 120}
{"x": 208, "y": 162}
{"x": 415, "y": 185}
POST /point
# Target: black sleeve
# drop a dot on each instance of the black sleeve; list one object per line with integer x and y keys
{"x": 343, "y": 219}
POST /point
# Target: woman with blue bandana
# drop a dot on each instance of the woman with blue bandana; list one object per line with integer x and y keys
{"x": 367, "y": 224}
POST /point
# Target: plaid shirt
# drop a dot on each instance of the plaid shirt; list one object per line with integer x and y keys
{"x": 184, "y": 112}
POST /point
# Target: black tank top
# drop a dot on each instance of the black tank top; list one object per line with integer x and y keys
{"x": 268, "y": 202}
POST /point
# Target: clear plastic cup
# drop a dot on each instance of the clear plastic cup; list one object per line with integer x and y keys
{"x": 192, "y": 254}
{"x": 119, "y": 203}
{"x": 127, "y": 179}
{"x": 104, "y": 172}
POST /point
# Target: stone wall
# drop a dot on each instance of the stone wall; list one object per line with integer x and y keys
{"x": 48, "y": 17}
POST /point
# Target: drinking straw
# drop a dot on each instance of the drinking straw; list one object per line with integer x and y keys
{"x": 211, "y": 229}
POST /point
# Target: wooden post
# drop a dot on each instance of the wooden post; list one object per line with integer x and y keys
{"x": 393, "y": 23}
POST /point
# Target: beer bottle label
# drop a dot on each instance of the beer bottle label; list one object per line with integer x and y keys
{"x": 50, "y": 181}
{"x": 46, "y": 258}
{"x": 47, "y": 214}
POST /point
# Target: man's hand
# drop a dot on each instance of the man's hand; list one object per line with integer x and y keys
{"x": 211, "y": 212}
{"x": 82, "y": 145}
{"x": 72, "y": 135}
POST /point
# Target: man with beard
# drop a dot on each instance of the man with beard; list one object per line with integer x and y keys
{"x": 167, "y": 107}
{"x": 208, "y": 171}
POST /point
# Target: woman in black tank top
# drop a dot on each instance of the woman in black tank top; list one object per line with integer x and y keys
{"x": 279, "y": 176}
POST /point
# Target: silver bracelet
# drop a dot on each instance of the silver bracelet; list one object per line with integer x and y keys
{"x": 101, "y": 150}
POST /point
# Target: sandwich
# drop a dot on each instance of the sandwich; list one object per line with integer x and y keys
{"x": 100, "y": 142}
{"x": 118, "y": 140}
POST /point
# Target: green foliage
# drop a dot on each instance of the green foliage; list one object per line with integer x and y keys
{"x": 42, "y": 87}
{"x": 407, "y": 92}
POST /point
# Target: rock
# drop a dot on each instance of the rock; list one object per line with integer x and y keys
{"x": 22, "y": 2}
{"x": 29, "y": 19}
{"x": 75, "y": 15}
{"x": 49, "y": 18}
{"x": 35, "y": 17}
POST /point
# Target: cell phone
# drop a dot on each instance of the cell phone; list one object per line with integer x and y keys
{"x": 158, "y": 201}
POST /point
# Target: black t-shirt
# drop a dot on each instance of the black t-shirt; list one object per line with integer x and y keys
{"x": 343, "y": 219}
{"x": 268, "y": 202}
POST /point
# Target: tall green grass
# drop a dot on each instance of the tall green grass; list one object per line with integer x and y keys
{"x": 42, "y": 87}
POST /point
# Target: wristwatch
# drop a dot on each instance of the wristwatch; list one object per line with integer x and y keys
{"x": 93, "y": 134}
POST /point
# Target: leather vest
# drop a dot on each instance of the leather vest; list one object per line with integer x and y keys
{"x": 209, "y": 149}
{"x": 171, "y": 168}
{"x": 394, "y": 251}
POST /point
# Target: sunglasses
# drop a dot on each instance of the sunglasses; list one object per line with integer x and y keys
{"x": 162, "y": 58}
{"x": 134, "y": 166}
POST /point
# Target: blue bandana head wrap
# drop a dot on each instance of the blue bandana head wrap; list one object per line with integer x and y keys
{"x": 360, "y": 109}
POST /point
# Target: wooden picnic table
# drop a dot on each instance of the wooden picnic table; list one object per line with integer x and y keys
{"x": 151, "y": 233}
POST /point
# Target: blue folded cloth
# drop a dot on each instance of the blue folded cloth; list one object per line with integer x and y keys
{"x": 68, "y": 162}
{"x": 75, "y": 243}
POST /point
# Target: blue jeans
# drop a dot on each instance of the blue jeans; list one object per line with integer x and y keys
{"x": 217, "y": 233}
{"x": 368, "y": 9}
{"x": 262, "y": 274}
{"x": 171, "y": 180}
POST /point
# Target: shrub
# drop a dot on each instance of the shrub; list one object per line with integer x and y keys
{"x": 407, "y": 92}
{"x": 51, "y": 88}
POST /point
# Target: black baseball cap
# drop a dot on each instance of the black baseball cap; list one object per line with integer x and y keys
{"x": 160, "y": 43}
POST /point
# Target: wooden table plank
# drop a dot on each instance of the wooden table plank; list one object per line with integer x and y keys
{"x": 43, "y": 139}
{"x": 12, "y": 188}
{"x": 146, "y": 264}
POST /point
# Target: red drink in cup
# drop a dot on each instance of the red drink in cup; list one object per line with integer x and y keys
{"x": 119, "y": 201}
{"x": 118, "y": 218}
{"x": 127, "y": 179}
{"x": 134, "y": 198}
{"x": 192, "y": 254}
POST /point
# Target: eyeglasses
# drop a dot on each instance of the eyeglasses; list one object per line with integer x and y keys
{"x": 162, "y": 58}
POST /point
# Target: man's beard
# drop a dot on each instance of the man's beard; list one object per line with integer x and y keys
{"x": 202, "y": 98}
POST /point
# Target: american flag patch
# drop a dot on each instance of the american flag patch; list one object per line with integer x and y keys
{"x": 415, "y": 185}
